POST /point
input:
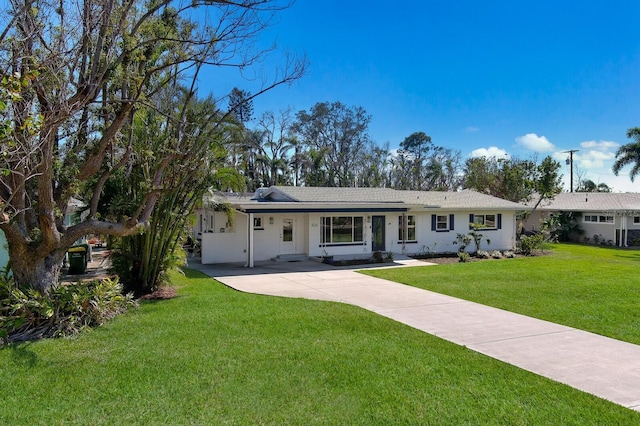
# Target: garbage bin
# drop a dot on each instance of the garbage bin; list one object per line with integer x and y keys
{"x": 77, "y": 259}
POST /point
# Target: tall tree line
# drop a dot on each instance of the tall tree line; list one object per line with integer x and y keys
{"x": 329, "y": 145}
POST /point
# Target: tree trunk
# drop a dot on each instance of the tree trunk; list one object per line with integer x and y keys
{"x": 39, "y": 273}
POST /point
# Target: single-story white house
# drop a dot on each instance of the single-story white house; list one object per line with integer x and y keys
{"x": 603, "y": 216}
{"x": 349, "y": 223}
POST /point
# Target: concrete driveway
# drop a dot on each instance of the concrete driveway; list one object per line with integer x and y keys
{"x": 599, "y": 365}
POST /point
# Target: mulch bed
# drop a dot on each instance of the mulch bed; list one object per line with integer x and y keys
{"x": 163, "y": 293}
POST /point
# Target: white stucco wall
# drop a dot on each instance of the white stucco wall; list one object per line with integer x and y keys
{"x": 426, "y": 239}
{"x": 268, "y": 241}
{"x": 228, "y": 246}
{"x": 231, "y": 245}
{"x": 443, "y": 241}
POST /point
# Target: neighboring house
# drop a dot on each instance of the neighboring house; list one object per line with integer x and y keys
{"x": 603, "y": 216}
{"x": 349, "y": 223}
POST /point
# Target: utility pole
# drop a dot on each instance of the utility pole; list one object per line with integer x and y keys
{"x": 570, "y": 162}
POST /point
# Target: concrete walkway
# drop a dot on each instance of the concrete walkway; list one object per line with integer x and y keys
{"x": 604, "y": 367}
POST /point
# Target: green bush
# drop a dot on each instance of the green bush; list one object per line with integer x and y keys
{"x": 27, "y": 314}
{"x": 463, "y": 256}
{"x": 531, "y": 244}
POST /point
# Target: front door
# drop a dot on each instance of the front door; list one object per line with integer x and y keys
{"x": 377, "y": 233}
{"x": 287, "y": 237}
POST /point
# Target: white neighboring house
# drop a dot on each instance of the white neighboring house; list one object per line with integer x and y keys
{"x": 350, "y": 223}
{"x": 603, "y": 216}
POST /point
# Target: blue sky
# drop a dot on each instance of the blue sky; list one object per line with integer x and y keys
{"x": 501, "y": 77}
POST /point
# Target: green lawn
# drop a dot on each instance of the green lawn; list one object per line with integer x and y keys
{"x": 592, "y": 288}
{"x": 217, "y": 356}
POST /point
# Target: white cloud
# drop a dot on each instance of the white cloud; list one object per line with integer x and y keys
{"x": 600, "y": 146}
{"x": 535, "y": 143}
{"x": 593, "y": 159}
{"x": 472, "y": 129}
{"x": 492, "y": 151}
{"x": 621, "y": 183}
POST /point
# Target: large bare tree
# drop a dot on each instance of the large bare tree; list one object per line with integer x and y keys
{"x": 73, "y": 73}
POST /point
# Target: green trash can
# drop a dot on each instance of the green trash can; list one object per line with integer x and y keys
{"x": 77, "y": 259}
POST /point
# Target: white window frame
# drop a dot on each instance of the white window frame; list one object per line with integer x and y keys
{"x": 258, "y": 222}
{"x": 442, "y": 225}
{"x": 599, "y": 218}
{"x": 328, "y": 222}
{"x": 406, "y": 227}
{"x": 485, "y": 222}
{"x": 606, "y": 219}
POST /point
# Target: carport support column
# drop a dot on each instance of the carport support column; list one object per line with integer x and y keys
{"x": 250, "y": 241}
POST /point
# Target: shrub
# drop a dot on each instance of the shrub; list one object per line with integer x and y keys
{"x": 462, "y": 241}
{"x": 529, "y": 245}
{"x": 27, "y": 314}
{"x": 463, "y": 256}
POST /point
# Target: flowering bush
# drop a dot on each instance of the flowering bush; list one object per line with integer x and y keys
{"x": 483, "y": 254}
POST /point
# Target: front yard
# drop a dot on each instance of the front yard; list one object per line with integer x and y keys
{"x": 216, "y": 356}
{"x": 587, "y": 287}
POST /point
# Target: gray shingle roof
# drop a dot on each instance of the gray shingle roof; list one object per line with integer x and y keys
{"x": 338, "y": 195}
{"x": 593, "y": 201}
{"x": 465, "y": 200}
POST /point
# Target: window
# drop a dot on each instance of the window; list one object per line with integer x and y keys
{"x": 486, "y": 221}
{"x": 342, "y": 229}
{"x": 598, "y": 219}
{"x": 442, "y": 222}
{"x": 257, "y": 223}
{"x": 409, "y": 227}
{"x": 605, "y": 219}
{"x": 636, "y": 220}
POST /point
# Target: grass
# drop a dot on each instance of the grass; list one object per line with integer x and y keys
{"x": 587, "y": 287}
{"x": 217, "y": 356}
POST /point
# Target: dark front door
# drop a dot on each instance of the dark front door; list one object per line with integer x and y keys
{"x": 377, "y": 233}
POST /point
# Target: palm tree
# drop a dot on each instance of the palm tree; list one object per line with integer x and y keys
{"x": 629, "y": 154}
